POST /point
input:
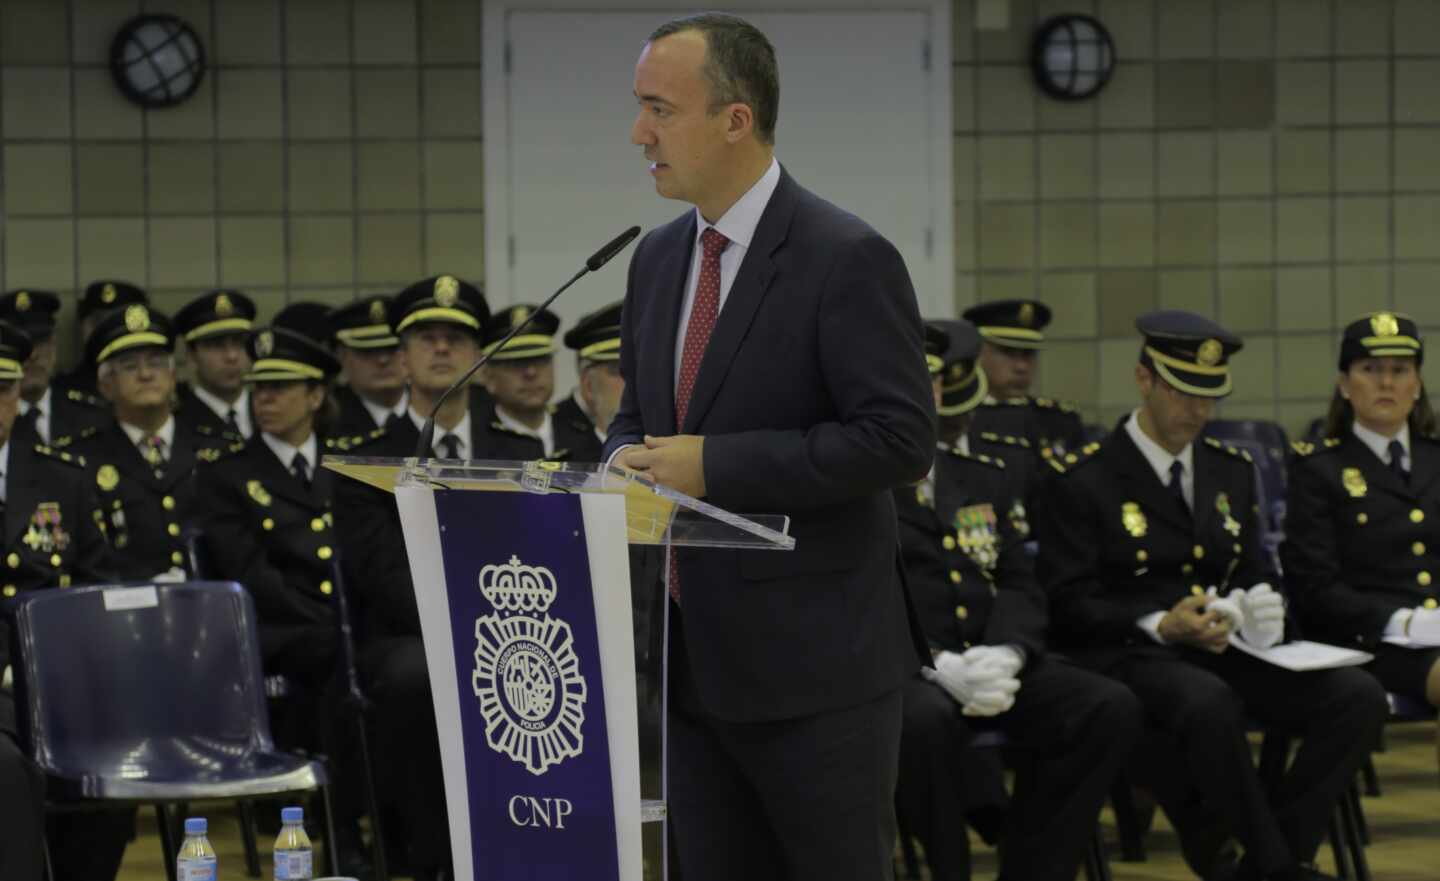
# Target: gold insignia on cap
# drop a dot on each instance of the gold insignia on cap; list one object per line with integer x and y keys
{"x": 1384, "y": 324}
{"x": 1354, "y": 482}
{"x": 519, "y": 314}
{"x": 223, "y": 307}
{"x": 1209, "y": 353}
{"x": 447, "y": 290}
{"x": 265, "y": 343}
{"x": 1027, "y": 314}
{"x": 107, "y": 478}
{"x": 957, "y": 372}
{"x": 107, "y": 294}
{"x": 137, "y": 318}
{"x": 377, "y": 311}
{"x": 22, "y": 302}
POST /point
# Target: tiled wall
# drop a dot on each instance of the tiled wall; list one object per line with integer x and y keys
{"x": 333, "y": 148}
{"x": 1274, "y": 164}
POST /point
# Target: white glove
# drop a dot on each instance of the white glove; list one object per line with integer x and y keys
{"x": 1264, "y": 616}
{"x": 982, "y": 687}
{"x": 1229, "y": 606}
{"x": 1002, "y": 658}
{"x": 173, "y": 575}
{"x": 1424, "y": 627}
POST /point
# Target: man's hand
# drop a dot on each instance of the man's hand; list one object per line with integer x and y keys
{"x": 1191, "y": 622}
{"x": 677, "y": 462}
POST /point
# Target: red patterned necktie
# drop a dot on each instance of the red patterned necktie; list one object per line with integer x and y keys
{"x": 703, "y": 313}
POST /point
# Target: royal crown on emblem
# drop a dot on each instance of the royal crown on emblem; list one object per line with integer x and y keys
{"x": 516, "y": 587}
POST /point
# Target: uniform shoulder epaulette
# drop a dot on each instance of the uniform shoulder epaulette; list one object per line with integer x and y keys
{"x": 80, "y": 397}
{"x": 1229, "y": 450}
{"x": 1047, "y": 403}
{"x": 1068, "y": 407}
{"x": 1070, "y": 461}
{"x": 345, "y": 443}
{"x": 1020, "y": 401}
{"x": 1008, "y": 440}
{"x": 50, "y": 452}
{"x": 992, "y": 461}
{"x": 499, "y": 426}
{"x": 88, "y": 431}
{"x": 1306, "y": 448}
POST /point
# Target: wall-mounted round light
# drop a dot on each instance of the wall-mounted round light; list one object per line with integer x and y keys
{"x": 157, "y": 60}
{"x": 1073, "y": 56}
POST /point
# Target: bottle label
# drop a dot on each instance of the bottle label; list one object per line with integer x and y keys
{"x": 195, "y": 869}
{"x": 293, "y": 865}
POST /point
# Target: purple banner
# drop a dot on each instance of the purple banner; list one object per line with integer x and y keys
{"x": 532, "y": 705}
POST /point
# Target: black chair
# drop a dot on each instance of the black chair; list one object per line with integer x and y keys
{"x": 1269, "y": 447}
{"x": 149, "y": 695}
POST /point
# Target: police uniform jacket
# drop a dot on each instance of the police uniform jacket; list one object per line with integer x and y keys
{"x": 493, "y": 439}
{"x": 1115, "y": 545}
{"x": 1047, "y": 424}
{"x": 1022, "y": 461}
{"x": 354, "y": 417}
{"x": 972, "y": 581}
{"x": 146, "y": 509}
{"x": 203, "y": 421}
{"x": 266, "y": 529}
{"x": 72, "y": 412}
{"x": 1360, "y": 544}
{"x": 575, "y": 432}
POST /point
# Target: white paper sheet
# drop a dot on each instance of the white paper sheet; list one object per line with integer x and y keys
{"x": 1302, "y": 655}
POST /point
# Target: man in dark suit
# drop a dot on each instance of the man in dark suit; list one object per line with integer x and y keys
{"x": 48, "y": 413}
{"x": 771, "y": 348}
{"x": 1151, "y": 554}
{"x": 590, "y": 408}
{"x": 368, "y": 349}
{"x": 215, "y": 326}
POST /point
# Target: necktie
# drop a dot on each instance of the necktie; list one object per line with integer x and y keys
{"x": 31, "y": 419}
{"x": 1397, "y": 461}
{"x": 450, "y": 446}
{"x": 300, "y": 467}
{"x": 232, "y": 421}
{"x": 703, "y": 313}
{"x": 1176, "y": 484}
{"x": 155, "y": 451}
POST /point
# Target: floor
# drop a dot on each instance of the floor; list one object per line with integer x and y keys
{"x": 1404, "y": 827}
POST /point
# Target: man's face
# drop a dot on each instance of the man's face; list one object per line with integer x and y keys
{"x": 139, "y": 379}
{"x": 681, "y": 137}
{"x": 372, "y": 371}
{"x": 435, "y": 355}
{"x": 524, "y": 385}
{"x": 1178, "y": 418}
{"x": 1010, "y": 371}
{"x": 220, "y": 364}
{"x": 282, "y": 409}
{"x": 9, "y": 406}
{"x": 39, "y": 369}
{"x": 601, "y": 386}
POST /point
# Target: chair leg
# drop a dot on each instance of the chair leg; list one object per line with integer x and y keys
{"x": 246, "y": 811}
{"x": 1097, "y": 866}
{"x": 1274, "y": 756}
{"x": 1127, "y": 822}
{"x": 1357, "y": 810}
{"x": 168, "y": 846}
{"x": 1337, "y": 846}
{"x": 1372, "y": 780}
{"x": 372, "y": 804}
{"x": 1353, "y": 838}
{"x": 45, "y": 858}
{"x": 332, "y": 852}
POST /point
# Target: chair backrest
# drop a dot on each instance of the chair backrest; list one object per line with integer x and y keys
{"x": 110, "y": 677}
{"x": 1269, "y": 447}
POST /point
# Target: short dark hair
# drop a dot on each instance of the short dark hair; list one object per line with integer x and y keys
{"x": 739, "y": 63}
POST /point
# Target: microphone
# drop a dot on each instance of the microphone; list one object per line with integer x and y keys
{"x": 606, "y": 253}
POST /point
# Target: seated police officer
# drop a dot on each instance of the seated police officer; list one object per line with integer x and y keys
{"x": 100, "y": 300}
{"x": 1363, "y": 521}
{"x": 521, "y": 379}
{"x": 962, "y": 533}
{"x": 215, "y": 327}
{"x": 48, "y": 414}
{"x": 595, "y": 338}
{"x": 1150, "y": 552}
{"x": 1012, "y": 333}
{"x": 368, "y": 349}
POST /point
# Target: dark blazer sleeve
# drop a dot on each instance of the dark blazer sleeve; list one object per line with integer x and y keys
{"x": 376, "y": 565}
{"x": 873, "y": 367}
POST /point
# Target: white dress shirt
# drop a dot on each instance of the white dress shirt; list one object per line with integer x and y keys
{"x": 42, "y": 423}
{"x": 4, "y": 469}
{"x": 380, "y": 413}
{"x": 222, "y": 409}
{"x": 1379, "y": 444}
{"x": 283, "y": 451}
{"x": 1160, "y": 459}
{"x": 461, "y": 432}
{"x": 166, "y": 434}
{"x": 545, "y": 433}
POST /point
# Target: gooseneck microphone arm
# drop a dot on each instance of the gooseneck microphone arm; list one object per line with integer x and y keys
{"x": 597, "y": 260}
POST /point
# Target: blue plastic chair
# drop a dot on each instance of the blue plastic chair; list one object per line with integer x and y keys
{"x": 149, "y": 695}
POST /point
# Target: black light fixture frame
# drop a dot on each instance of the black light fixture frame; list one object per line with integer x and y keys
{"x": 118, "y": 65}
{"x": 1037, "y": 55}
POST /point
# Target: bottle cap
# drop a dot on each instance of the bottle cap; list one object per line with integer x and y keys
{"x": 196, "y": 826}
{"x": 292, "y": 815}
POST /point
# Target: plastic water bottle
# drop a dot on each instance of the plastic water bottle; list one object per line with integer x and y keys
{"x": 294, "y": 858}
{"x": 196, "y": 861}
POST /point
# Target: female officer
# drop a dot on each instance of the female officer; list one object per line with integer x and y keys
{"x": 1362, "y": 548}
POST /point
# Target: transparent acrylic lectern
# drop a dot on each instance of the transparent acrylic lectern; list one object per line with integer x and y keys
{"x": 522, "y": 534}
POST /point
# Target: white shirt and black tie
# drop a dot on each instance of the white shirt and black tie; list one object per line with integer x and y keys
{"x": 43, "y": 411}
{"x": 382, "y": 414}
{"x": 299, "y": 461}
{"x": 1169, "y": 469}
{"x": 449, "y": 443}
{"x": 236, "y": 415}
{"x": 156, "y": 447}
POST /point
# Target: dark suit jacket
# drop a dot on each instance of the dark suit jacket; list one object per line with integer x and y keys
{"x": 1115, "y": 546}
{"x": 72, "y": 413}
{"x": 1355, "y": 551}
{"x": 574, "y": 432}
{"x": 814, "y": 402}
{"x": 353, "y": 418}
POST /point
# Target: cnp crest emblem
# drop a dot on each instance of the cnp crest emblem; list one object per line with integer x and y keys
{"x": 527, "y": 675}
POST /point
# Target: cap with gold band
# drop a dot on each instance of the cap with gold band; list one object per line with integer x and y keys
{"x": 1190, "y": 352}
{"x": 283, "y": 355}
{"x": 1381, "y": 335}
{"x": 936, "y": 342}
{"x": 443, "y": 299}
{"x": 217, "y": 313}
{"x": 963, "y": 385}
{"x": 536, "y": 341}
{"x": 308, "y": 318}
{"x": 596, "y": 337}
{"x": 15, "y": 346}
{"x": 32, "y": 311}
{"x": 106, "y": 294}
{"x": 363, "y": 324}
{"x": 133, "y": 327}
{"x": 1016, "y": 324}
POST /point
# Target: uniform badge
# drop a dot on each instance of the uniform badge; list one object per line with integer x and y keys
{"x": 1027, "y": 314}
{"x": 447, "y": 291}
{"x": 925, "y": 494}
{"x": 258, "y": 492}
{"x": 1208, "y": 355}
{"x": 223, "y": 307}
{"x": 527, "y": 676}
{"x": 137, "y": 318}
{"x": 1384, "y": 324}
{"x": 22, "y": 301}
{"x": 1019, "y": 520}
{"x": 1222, "y": 504}
{"x": 519, "y": 314}
{"x": 1133, "y": 519}
{"x": 1354, "y": 482}
{"x": 107, "y": 478}
{"x": 107, "y": 294}
{"x": 377, "y": 311}
{"x": 46, "y": 533}
{"x": 975, "y": 533}
{"x": 264, "y": 343}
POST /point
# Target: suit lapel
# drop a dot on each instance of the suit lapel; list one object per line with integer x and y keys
{"x": 1205, "y": 464}
{"x": 275, "y": 475}
{"x": 1424, "y": 465}
{"x": 741, "y": 304}
{"x": 1141, "y": 484}
{"x": 1378, "y": 475}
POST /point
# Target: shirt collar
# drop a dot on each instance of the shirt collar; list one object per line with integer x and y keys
{"x": 283, "y": 451}
{"x": 218, "y": 407}
{"x": 166, "y": 434}
{"x": 1378, "y": 443}
{"x": 544, "y": 432}
{"x": 1158, "y": 457}
{"x": 43, "y": 403}
{"x": 738, "y": 224}
{"x": 461, "y": 431}
{"x": 380, "y": 413}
